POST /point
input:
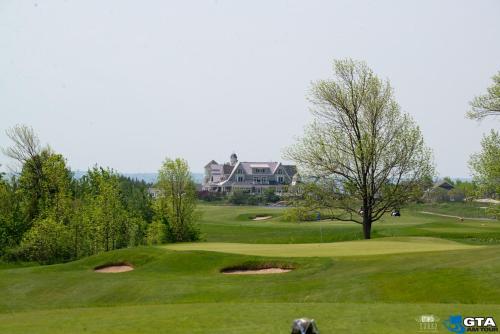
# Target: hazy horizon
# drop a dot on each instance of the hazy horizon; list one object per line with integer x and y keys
{"x": 124, "y": 85}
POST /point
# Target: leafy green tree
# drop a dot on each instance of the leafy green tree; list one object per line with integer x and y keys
{"x": 26, "y": 151}
{"x": 486, "y": 164}
{"x": 10, "y": 231}
{"x": 156, "y": 233}
{"x": 270, "y": 196}
{"x": 487, "y": 104}
{"x": 46, "y": 192}
{"x": 238, "y": 197}
{"x": 136, "y": 199}
{"x": 57, "y": 198}
{"x": 106, "y": 224}
{"x": 469, "y": 189}
{"x": 178, "y": 199}
{"x": 48, "y": 241}
{"x": 372, "y": 155}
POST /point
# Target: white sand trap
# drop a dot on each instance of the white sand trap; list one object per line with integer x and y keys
{"x": 262, "y": 218}
{"x": 257, "y": 271}
{"x": 114, "y": 269}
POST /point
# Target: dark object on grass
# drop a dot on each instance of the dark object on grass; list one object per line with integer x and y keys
{"x": 395, "y": 213}
{"x": 304, "y": 326}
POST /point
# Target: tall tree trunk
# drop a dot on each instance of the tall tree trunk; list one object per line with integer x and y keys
{"x": 367, "y": 228}
{"x": 367, "y": 222}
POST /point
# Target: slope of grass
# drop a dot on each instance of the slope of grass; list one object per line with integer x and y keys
{"x": 162, "y": 276}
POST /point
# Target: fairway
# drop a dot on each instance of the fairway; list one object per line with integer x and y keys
{"x": 381, "y": 246}
{"x": 245, "y": 318}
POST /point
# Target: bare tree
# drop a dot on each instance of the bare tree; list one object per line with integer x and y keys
{"x": 27, "y": 151}
{"x": 26, "y": 144}
{"x": 367, "y": 155}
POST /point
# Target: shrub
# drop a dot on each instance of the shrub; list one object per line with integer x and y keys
{"x": 156, "y": 233}
{"x": 47, "y": 242}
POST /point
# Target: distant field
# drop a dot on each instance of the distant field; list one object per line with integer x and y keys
{"x": 462, "y": 209}
{"x": 234, "y": 224}
{"x": 416, "y": 264}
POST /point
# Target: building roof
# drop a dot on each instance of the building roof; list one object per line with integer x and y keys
{"x": 227, "y": 169}
{"x": 444, "y": 185}
{"x": 213, "y": 162}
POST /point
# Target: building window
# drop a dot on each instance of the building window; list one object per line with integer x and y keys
{"x": 280, "y": 171}
{"x": 256, "y": 179}
{"x": 280, "y": 179}
{"x": 264, "y": 179}
{"x": 239, "y": 171}
{"x": 239, "y": 179}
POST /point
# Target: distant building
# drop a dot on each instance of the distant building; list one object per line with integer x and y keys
{"x": 154, "y": 192}
{"x": 443, "y": 191}
{"x": 444, "y": 185}
{"x": 252, "y": 177}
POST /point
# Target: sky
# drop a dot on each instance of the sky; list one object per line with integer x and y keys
{"x": 125, "y": 84}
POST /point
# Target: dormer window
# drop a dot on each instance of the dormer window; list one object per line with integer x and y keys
{"x": 280, "y": 171}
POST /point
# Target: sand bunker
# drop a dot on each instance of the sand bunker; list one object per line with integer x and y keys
{"x": 114, "y": 268}
{"x": 262, "y": 218}
{"x": 256, "y": 271}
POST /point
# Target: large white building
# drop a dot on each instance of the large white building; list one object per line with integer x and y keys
{"x": 252, "y": 177}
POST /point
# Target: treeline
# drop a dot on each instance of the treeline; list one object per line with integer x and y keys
{"x": 48, "y": 216}
{"x": 238, "y": 197}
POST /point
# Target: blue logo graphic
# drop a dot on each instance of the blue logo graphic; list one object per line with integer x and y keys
{"x": 454, "y": 324}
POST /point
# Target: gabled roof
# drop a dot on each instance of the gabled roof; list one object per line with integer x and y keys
{"x": 213, "y": 162}
{"x": 444, "y": 185}
{"x": 227, "y": 169}
{"x": 290, "y": 170}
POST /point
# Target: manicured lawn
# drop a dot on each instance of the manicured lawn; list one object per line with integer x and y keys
{"x": 415, "y": 265}
{"x": 379, "y": 246}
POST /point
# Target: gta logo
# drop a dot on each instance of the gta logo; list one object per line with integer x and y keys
{"x": 458, "y": 324}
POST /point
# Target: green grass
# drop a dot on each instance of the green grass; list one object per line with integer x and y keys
{"x": 234, "y": 224}
{"x": 468, "y": 209}
{"x": 232, "y": 318}
{"x": 416, "y": 264}
{"x": 382, "y": 246}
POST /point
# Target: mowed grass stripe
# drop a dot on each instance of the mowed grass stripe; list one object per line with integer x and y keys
{"x": 232, "y": 318}
{"x": 380, "y": 246}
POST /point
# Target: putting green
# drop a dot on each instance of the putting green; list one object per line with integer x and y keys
{"x": 337, "y": 249}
